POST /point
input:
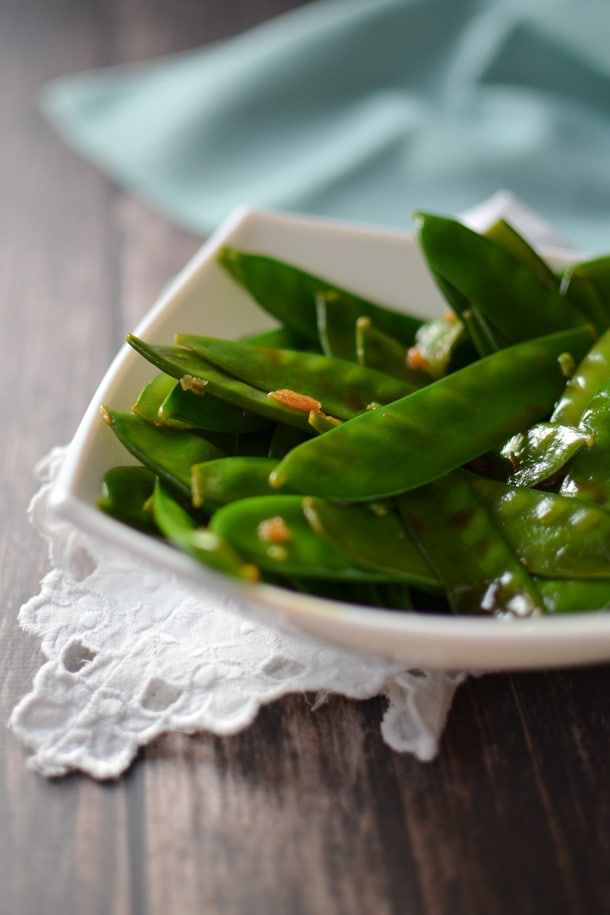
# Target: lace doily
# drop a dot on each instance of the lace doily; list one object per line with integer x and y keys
{"x": 132, "y": 654}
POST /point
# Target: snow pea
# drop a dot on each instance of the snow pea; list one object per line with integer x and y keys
{"x": 590, "y": 375}
{"x": 273, "y": 533}
{"x": 196, "y": 374}
{"x": 335, "y": 326}
{"x": 289, "y": 294}
{"x": 374, "y": 535}
{"x": 504, "y": 234}
{"x": 164, "y": 402}
{"x": 183, "y": 407}
{"x": 280, "y": 338}
{"x": 408, "y": 443}
{"x": 554, "y": 536}
{"x": 379, "y": 351}
{"x": 541, "y": 452}
{"x": 217, "y": 482}
{"x": 181, "y": 529}
{"x": 342, "y": 388}
{"x": 507, "y": 292}
{"x": 169, "y": 453}
{"x": 569, "y": 596}
{"x": 152, "y": 396}
{"x": 285, "y": 438}
{"x": 125, "y": 495}
{"x": 588, "y": 473}
{"x": 462, "y": 544}
{"x": 441, "y": 346}
{"x": 587, "y": 284}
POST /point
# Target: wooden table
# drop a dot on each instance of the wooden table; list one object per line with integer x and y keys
{"x": 306, "y": 812}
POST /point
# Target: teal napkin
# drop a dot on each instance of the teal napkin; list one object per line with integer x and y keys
{"x": 365, "y": 110}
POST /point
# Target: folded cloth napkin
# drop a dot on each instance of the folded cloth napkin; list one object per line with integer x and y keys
{"x": 366, "y": 110}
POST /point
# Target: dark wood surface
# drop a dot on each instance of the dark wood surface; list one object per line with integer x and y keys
{"x": 306, "y": 812}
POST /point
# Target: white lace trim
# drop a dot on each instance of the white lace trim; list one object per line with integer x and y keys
{"x": 132, "y": 654}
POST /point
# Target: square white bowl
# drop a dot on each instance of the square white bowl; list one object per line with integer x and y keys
{"x": 386, "y": 266}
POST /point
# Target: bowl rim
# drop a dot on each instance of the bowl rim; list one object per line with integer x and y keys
{"x": 433, "y": 640}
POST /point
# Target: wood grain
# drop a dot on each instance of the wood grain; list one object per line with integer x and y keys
{"x": 307, "y": 811}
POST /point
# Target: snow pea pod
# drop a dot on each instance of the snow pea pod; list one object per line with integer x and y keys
{"x": 335, "y": 326}
{"x": 570, "y": 596}
{"x": 554, "y": 536}
{"x": 203, "y": 377}
{"x": 164, "y": 402}
{"x": 462, "y": 544}
{"x": 588, "y": 473}
{"x": 374, "y": 535}
{"x": 590, "y": 375}
{"x": 289, "y": 294}
{"x": 377, "y": 350}
{"x": 421, "y": 437}
{"x": 541, "y": 452}
{"x": 169, "y": 453}
{"x": 342, "y": 388}
{"x": 587, "y": 284}
{"x": 506, "y": 291}
{"x": 187, "y": 408}
{"x": 280, "y": 338}
{"x": 441, "y": 346}
{"x": 183, "y": 531}
{"x": 125, "y": 495}
{"x": 217, "y": 482}
{"x": 152, "y": 396}
{"x": 504, "y": 234}
{"x": 273, "y": 533}
{"x": 285, "y": 438}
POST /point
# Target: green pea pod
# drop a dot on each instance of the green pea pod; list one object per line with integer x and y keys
{"x": 554, "y": 536}
{"x": 152, "y": 396}
{"x": 279, "y": 338}
{"x": 591, "y": 373}
{"x": 574, "y": 596}
{"x": 436, "y": 429}
{"x": 374, "y": 535}
{"x": 321, "y": 422}
{"x": 215, "y": 483}
{"x": 505, "y": 235}
{"x": 335, "y": 326}
{"x": 125, "y": 496}
{"x": 273, "y": 533}
{"x": 484, "y": 337}
{"x": 377, "y": 350}
{"x": 508, "y": 293}
{"x": 192, "y": 370}
{"x": 342, "y": 388}
{"x": 169, "y": 453}
{"x": 541, "y": 452}
{"x": 183, "y": 531}
{"x": 460, "y": 541}
{"x": 442, "y": 346}
{"x": 289, "y": 294}
{"x": 588, "y": 473}
{"x": 186, "y": 408}
{"x": 587, "y": 285}
{"x": 284, "y": 439}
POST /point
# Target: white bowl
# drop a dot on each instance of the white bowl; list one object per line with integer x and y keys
{"x": 386, "y": 266}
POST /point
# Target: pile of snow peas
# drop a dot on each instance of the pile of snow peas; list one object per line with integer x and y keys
{"x": 454, "y": 465}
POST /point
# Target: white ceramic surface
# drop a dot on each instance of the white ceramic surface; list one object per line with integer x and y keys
{"x": 385, "y": 266}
